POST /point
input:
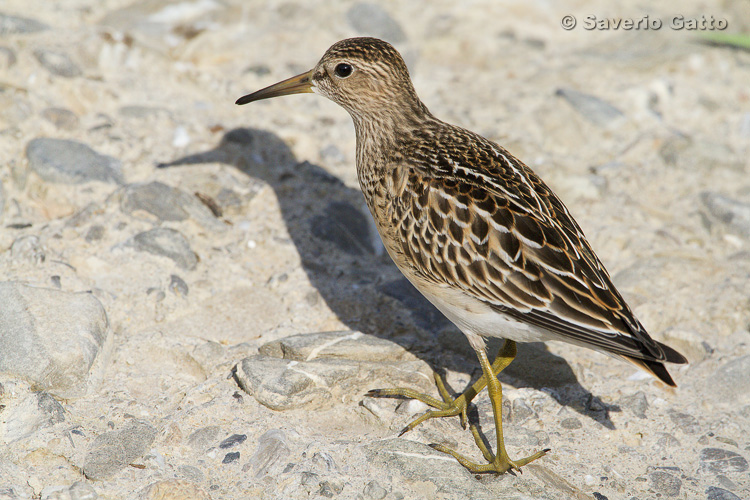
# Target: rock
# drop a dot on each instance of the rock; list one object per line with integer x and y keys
{"x": 22, "y": 418}
{"x": 636, "y": 403}
{"x": 594, "y": 109}
{"x": 665, "y": 483}
{"x": 71, "y": 162}
{"x": 113, "y": 451}
{"x": 734, "y": 214}
{"x": 178, "y": 286}
{"x": 190, "y": 473}
{"x": 57, "y": 63}
{"x": 233, "y": 440}
{"x": 686, "y": 422}
{"x": 370, "y": 19}
{"x": 28, "y": 248}
{"x": 373, "y": 491}
{"x": 714, "y": 493}
{"x": 273, "y": 448}
{"x": 202, "y": 438}
{"x": 719, "y": 461}
{"x": 7, "y": 57}
{"x": 173, "y": 489}
{"x": 57, "y": 340}
{"x": 61, "y": 118}
{"x": 342, "y": 345}
{"x": 167, "y": 243}
{"x": 77, "y": 491}
{"x": 571, "y": 423}
{"x": 728, "y": 383}
{"x": 14, "y": 25}
{"x": 346, "y": 227}
{"x": 165, "y": 203}
{"x": 95, "y": 233}
{"x": 230, "y": 457}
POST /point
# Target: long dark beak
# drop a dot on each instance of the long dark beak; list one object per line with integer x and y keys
{"x": 299, "y": 84}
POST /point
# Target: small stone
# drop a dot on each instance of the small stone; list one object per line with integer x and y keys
{"x": 592, "y": 108}
{"x": 341, "y": 345}
{"x": 233, "y": 440}
{"x": 178, "y": 286}
{"x": 53, "y": 338}
{"x": 71, "y": 162}
{"x": 734, "y": 214}
{"x": 666, "y": 440}
{"x": 636, "y": 403}
{"x": 173, "y": 489}
{"x": 346, "y": 227}
{"x": 23, "y": 418}
{"x": 719, "y": 461}
{"x": 715, "y": 493}
{"x": 273, "y": 448}
{"x": 230, "y": 457}
{"x": 166, "y": 203}
{"x": 57, "y": 63}
{"x": 29, "y": 249}
{"x": 373, "y": 491}
{"x": 372, "y": 20}
{"x": 324, "y": 461}
{"x": 204, "y": 437}
{"x": 190, "y": 473}
{"x": 571, "y": 423}
{"x": 113, "y": 451}
{"x": 729, "y": 383}
{"x": 7, "y": 57}
{"x": 165, "y": 242}
{"x": 82, "y": 491}
{"x": 687, "y": 423}
{"x": 61, "y": 118}
{"x": 13, "y": 25}
{"x": 665, "y": 483}
{"x": 136, "y": 111}
{"x": 95, "y": 233}
{"x": 599, "y": 496}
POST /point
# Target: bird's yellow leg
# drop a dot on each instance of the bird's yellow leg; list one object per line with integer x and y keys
{"x": 449, "y": 406}
{"x": 499, "y": 462}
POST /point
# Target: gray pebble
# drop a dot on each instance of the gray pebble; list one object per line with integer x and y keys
{"x": 732, "y": 213}
{"x": 233, "y": 440}
{"x": 29, "y": 249}
{"x": 178, "y": 286}
{"x": 729, "y": 382}
{"x": 50, "y": 337}
{"x": 343, "y": 345}
{"x": 204, "y": 437}
{"x": 346, "y": 227}
{"x": 57, "y": 63}
{"x": 7, "y": 57}
{"x": 720, "y": 461}
{"x": 71, "y": 162}
{"x": 592, "y": 108}
{"x": 61, "y": 118}
{"x": 372, "y": 20}
{"x": 165, "y": 242}
{"x": 230, "y": 457}
{"x": 571, "y": 423}
{"x": 274, "y": 384}
{"x": 273, "y": 448}
{"x": 95, "y": 233}
{"x": 666, "y": 440}
{"x": 24, "y": 417}
{"x": 665, "y": 483}
{"x": 13, "y": 25}
{"x": 190, "y": 473}
{"x": 81, "y": 490}
{"x": 164, "y": 202}
{"x": 373, "y": 491}
{"x": 686, "y": 422}
{"x": 113, "y": 451}
{"x": 714, "y": 493}
{"x": 636, "y": 403}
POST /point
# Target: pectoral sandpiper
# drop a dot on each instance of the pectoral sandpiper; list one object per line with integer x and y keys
{"x": 474, "y": 230}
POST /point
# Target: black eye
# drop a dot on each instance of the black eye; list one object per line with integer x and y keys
{"x": 343, "y": 70}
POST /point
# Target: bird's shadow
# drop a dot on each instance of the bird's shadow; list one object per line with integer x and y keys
{"x": 343, "y": 258}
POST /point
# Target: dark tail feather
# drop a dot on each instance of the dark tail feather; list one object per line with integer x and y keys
{"x": 655, "y": 368}
{"x": 671, "y": 355}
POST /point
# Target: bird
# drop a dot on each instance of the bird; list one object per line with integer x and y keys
{"x": 476, "y": 231}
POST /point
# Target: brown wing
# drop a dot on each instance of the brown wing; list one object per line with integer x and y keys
{"x": 478, "y": 219}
